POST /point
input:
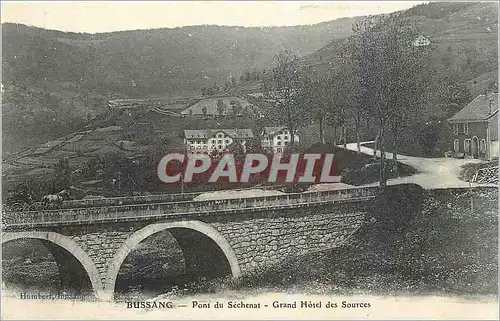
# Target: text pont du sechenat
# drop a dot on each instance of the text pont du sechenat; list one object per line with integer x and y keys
{"x": 281, "y": 305}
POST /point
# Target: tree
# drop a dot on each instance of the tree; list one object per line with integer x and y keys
{"x": 316, "y": 96}
{"x": 62, "y": 175}
{"x": 448, "y": 97}
{"x": 20, "y": 194}
{"x": 410, "y": 79}
{"x": 337, "y": 119}
{"x": 341, "y": 102}
{"x": 493, "y": 86}
{"x": 214, "y": 153}
{"x": 216, "y": 89}
{"x": 221, "y": 107}
{"x": 390, "y": 73}
{"x": 248, "y": 75}
{"x": 90, "y": 168}
{"x": 124, "y": 175}
{"x": 237, "y": 108}
{"x": 237, "y": 149}
{"x": 326, "y": 104}
{"x": 284, "y": 94}
{"x": 255, "y": 74}
{"x": 254, "y": 146}
{"x": 348, "y": 90}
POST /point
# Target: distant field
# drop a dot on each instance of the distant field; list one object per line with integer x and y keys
{"x": 479, "y": 84}
{"x": 80, "y": 42}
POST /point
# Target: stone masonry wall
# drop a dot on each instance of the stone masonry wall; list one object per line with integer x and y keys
{"x": 258, "y": 239}
{"x": 100, "y": 242}
{"x": 260, "y": 242}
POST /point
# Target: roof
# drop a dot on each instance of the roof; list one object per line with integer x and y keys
{"x": 421, "y": 41}
{"x": 272, "y": 130}
{"x": 237, "y": 133}
{"x": 211, "y": 104}
{"x": 478, "y": 109}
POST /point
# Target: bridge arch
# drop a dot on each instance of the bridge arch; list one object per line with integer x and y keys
{"x": 67, "y": 244}
{"x": 136, "y": 238}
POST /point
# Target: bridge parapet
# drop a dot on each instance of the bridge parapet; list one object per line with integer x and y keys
{"x": 176, "y": 209}
{"x": 114, "y": 201}
{"x": 127, "y": 200}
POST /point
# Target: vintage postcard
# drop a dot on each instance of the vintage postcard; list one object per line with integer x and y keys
{"x": 249, "y": 160}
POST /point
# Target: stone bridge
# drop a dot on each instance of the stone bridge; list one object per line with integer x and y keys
{"x": 219, "y": 237}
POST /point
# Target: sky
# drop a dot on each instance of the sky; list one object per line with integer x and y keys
{"x": 97, "y": 16}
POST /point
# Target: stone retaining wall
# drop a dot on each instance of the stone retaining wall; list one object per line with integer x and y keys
{"x": 261, "y": 242}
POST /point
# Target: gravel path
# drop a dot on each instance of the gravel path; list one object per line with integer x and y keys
{"x": 433, "y": 172}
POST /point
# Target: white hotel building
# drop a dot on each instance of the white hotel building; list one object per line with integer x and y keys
{"x": 276, "y": 138}
{"x": 205, "y": 141}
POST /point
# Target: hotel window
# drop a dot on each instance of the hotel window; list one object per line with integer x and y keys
{"x": 462, "y": 128}
{"x": 279, "y": 137}
{"x": 482, "y": 145}
{"x": 213, "y": 141}
{"x": 278, "y": 143}
{"x": 467, "y": 147}
{"x": 456, "y": 145}
{"x": 285, "y": 137}
{"x": 227, "y": 141}
{"x": 220, "y": 141}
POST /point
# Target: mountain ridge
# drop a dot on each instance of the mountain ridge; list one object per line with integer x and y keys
{"x": 56, "y": 82}
{"x": 464, "y": 34}
{"x": 52, "y": 78}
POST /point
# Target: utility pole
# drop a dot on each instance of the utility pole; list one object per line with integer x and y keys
{"x": 471, "y": 199}
{"x": 119, "y": 178}
{"x": 182, "y": 183}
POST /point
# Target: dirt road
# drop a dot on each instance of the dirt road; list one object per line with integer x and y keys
{"x": 433, "y": 172}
